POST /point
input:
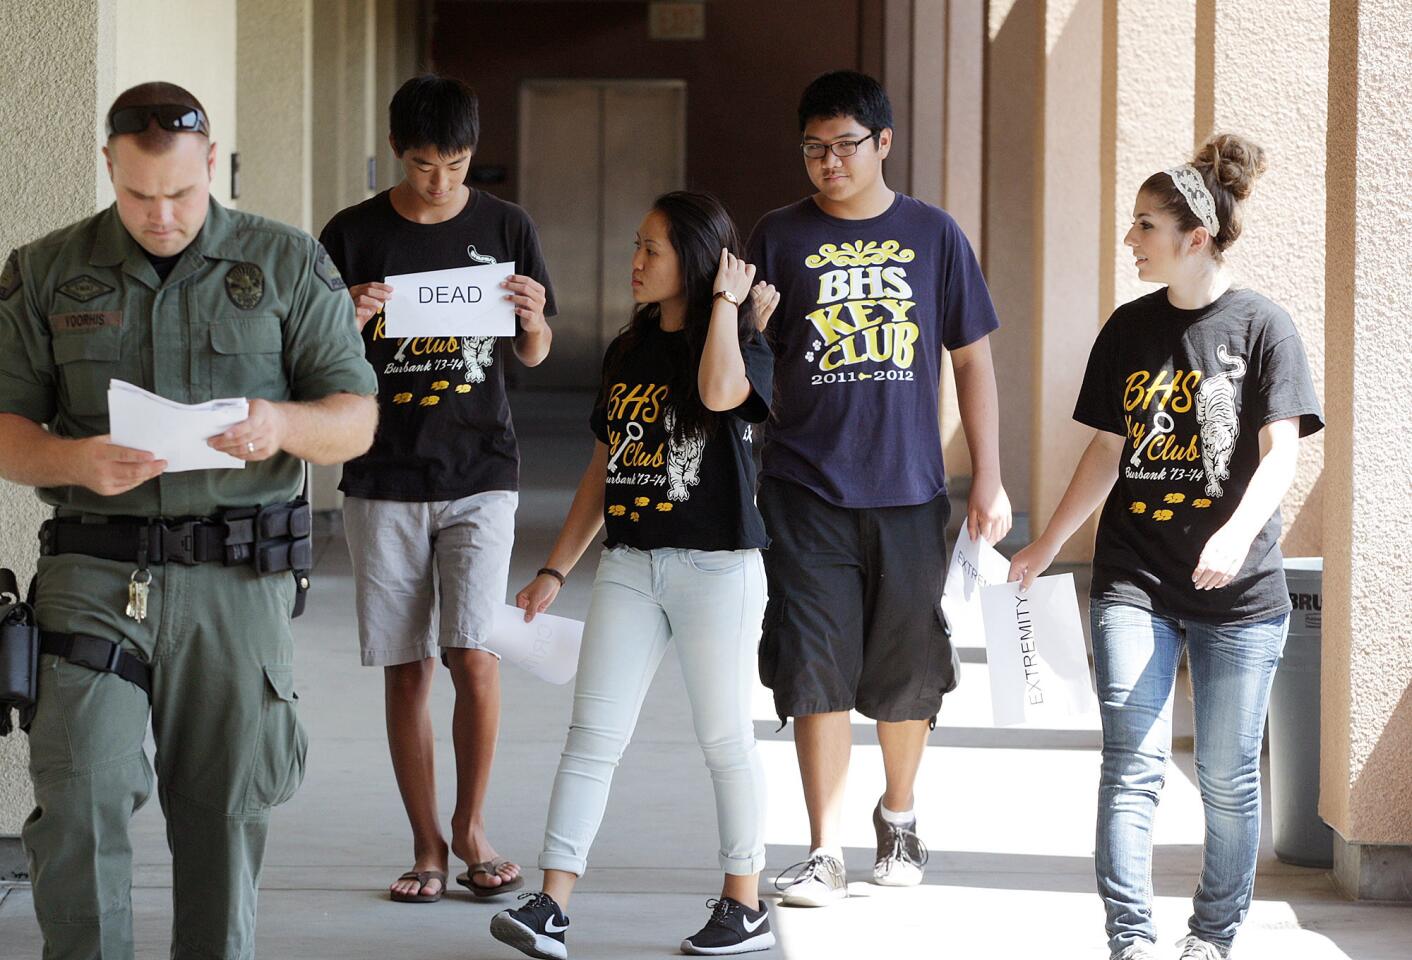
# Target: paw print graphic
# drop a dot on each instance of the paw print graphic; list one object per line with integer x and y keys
{"x": 809, "y": 356}
{"x": 634, "y": 516}
{"x": 440, "y": 384}
{"x": 402, "y": 398}
{"x": 1160, "y": 515}
{"x": 1200, "y": 503}
{"x": 617, "y": 510}
{"x": 1138, "y": 507}
{"x": 463, "y": 388}
{"x": 664, "y": 507}
{"x": 641, "y": 502}
{"x": 1174, "y": 498}
{"x": 429, "y": 401}
{"x": 817, "y": 345}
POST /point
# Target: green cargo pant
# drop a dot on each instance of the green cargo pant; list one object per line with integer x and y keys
{"x": 229, "y": 747}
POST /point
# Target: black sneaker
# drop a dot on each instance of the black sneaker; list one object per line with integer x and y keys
{"x": 820, "y": 882}
{"x": 536, "y": 929}
{"x": 733, "y": 928}
{"x": 901, "y": 855}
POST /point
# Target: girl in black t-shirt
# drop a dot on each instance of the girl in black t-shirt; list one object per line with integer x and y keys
{"x": 1199, "y": 395}
{"x": 672, "y": 478}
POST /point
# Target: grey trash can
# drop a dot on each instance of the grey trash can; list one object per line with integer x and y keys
{"x": 1300, "y": 837}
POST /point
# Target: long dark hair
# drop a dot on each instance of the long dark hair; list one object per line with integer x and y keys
{"x": 698, "y": 226}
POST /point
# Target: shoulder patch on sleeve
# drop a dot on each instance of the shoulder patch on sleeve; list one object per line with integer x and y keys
{"x": 325, "y": 270}
{"x": 10, "y": 276}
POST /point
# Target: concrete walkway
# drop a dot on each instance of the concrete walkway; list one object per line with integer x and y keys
{"x": 1008, "y": 814}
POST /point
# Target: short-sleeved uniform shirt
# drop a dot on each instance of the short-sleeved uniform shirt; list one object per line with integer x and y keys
{"x": 252, "y": 308}
{"x": 866, "y": 307}
{"x": 678, "y": 488}
{"x": 444, "y": 428}
{"x": 1189, "y": 391}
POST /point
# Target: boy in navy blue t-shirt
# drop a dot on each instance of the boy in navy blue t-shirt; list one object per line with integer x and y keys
{"x": 873, "y": 286}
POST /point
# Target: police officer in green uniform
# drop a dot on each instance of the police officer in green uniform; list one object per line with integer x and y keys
{"x": 168, "y": 592}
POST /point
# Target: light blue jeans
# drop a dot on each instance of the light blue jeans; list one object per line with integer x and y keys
{"x": 1135, "y": 654}
{"x": 712, "y": 603}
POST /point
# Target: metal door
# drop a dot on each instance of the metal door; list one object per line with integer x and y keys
{"x": 593, "y": 156}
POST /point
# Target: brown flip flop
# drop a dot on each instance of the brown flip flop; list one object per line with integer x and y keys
{"x": 423, "y": 877}
{"x": 490, "y": 868}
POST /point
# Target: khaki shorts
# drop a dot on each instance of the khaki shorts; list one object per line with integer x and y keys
{"x": 428, "y": 576}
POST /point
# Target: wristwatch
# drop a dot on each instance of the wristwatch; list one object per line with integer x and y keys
{"x": 727, "y": 296}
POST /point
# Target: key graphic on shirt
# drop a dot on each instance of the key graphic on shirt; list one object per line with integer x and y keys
{"x": 634, "y": 432}
{"x": 1161, "y": 426}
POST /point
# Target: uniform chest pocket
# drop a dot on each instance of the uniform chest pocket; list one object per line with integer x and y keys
{"x": 247, "y": 358}
{"x": 86, "y": 362}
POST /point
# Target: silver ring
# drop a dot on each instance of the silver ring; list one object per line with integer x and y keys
{"x": 250, "y": 446}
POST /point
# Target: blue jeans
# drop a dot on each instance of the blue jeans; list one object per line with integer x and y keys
{"x": 1135, "y": 654}
{"x": 710, "y": 605}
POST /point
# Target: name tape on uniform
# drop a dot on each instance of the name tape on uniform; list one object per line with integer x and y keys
{"x": 461, "y": 302}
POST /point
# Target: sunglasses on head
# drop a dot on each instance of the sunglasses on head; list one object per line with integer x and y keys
{"x": 169, "y": 116}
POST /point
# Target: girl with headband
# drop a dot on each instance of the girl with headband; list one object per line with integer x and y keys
{"x": 1198, "y": 394}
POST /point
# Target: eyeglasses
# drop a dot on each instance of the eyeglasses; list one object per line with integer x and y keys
{"x": 176, "y": 117}
{"x": 840, "y": 148}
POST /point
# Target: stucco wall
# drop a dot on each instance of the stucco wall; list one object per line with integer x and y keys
{"x": 1281, "y": 102}
{"x": 1366, "y": 782}
{"x": 1068, "y": 268}
{"x": 274, "y": 65}
{"x": 48, "y": 177}
{"x": 1016, "y": 51}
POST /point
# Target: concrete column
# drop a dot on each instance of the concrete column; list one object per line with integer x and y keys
{"x": 1366, "y": 782}
{"x": 1281, "y": 102}
{"x": 398, "y": 60}
{"x": 274, "y": 81}
{"x": 963, "y": 175}
{"x": 1149, "y": 102}
{"x": 1014, "y": 78}
{"x": 56, "y": 59}
{"x": 1069, "y": 251}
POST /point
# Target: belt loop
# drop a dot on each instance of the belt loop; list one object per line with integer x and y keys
{"x": 144, "y": 546}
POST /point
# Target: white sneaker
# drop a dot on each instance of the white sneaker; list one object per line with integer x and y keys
{"x": 1142, "y": 950}
{"x": 1194, "y": 948}
{"x": 819, "y": 883}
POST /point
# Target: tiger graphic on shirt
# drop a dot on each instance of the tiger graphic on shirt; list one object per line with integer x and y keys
{"x": 1218, "y": 423}
{"x": 683, "y": 459}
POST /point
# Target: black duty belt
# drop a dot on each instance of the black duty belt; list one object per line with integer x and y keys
{"x": 271, "y": 539}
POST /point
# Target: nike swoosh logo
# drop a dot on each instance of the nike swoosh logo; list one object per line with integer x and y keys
{"x": 752, "y": 927}
{"x": 551, "y": 927}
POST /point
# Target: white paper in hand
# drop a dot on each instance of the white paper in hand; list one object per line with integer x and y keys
{"x": 547, "y": 647}
{"x": 974, "y": 564}
{"x": 1035, "y": 650}
{"x": 171, "y": 431}
{"x": 460, "y": 302}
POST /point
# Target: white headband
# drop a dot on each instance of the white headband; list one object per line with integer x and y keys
{"x": 1192, "y": 185}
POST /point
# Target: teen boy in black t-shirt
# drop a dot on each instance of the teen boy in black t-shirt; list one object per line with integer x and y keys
{"x": 438, "y": 489}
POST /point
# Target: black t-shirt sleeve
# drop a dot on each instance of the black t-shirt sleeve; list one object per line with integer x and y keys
{"x": 755, "y": 253}
{"x": 966, "y": 310}
{"x": 1286, "y": 388}
{"x": 529, "y": 261}
{"x": 1099, "y": 403}
{"x": 332, "y": 239}
{"x": 760, "y": 371}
